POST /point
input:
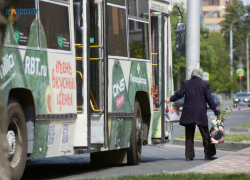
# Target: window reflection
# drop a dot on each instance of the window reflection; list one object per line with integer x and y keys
{"x": 118, "y": 2}
{"x": 117, "y": 39}
{"x": 55, "y": 21}
{"x": 138, "y": 39}
{"x": 22, "y": 22}
{"x": 138, "y": 8}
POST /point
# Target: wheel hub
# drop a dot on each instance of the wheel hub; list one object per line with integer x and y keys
{"x": 11, "y": 139}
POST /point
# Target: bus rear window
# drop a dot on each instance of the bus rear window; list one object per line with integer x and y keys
{"x": 55, "y": 21}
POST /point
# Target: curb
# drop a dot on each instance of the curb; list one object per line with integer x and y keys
{"x": 240, "y": 130}
{"x": 226, "y": 146}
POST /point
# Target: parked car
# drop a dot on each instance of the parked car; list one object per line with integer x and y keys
{"x": 242, "y": 98}
{"x": 216, "y": 100}
{"x": 180, "y": 103}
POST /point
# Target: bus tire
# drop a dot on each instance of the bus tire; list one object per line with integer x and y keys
{"x": 134, "y": 151}
{"x": 17, "y": 138}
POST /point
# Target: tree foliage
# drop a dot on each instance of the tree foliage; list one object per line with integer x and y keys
{"x": 240, "y": 30}
{"x": 214, "y": 49}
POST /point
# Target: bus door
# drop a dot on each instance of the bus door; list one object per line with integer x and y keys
{"x": 94, "y": 81}
{"x": 159, "y": 45}
{"x": 168, "y": 76}
{"x": 96, "y": 76}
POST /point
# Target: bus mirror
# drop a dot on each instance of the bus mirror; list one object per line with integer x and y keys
{"x": 180, "y": 27}
{"x": 180, "y": 39}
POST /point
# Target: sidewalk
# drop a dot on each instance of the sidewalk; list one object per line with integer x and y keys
{"x": 237, "y": 162}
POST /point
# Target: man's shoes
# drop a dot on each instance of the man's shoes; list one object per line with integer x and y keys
{"x": 209, "y": 158}
{"x": 189, "y": 159}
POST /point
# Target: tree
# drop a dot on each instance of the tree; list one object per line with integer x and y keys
{"x": 240, "y": 30}
{"x": 214, "y": 53}
{"x": 208, "y": 56}
{"x": 220, "y": 74}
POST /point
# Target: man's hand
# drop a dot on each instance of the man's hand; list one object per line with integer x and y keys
{"x": 167, "y": 100}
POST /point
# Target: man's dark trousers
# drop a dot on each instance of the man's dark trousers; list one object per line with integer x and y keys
{"x": 209, "y": 149}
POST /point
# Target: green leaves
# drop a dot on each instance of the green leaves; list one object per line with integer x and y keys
{"x": 225, "y": 111}
{"x": 240, "y": 30}
{"x": 214, "y": 50}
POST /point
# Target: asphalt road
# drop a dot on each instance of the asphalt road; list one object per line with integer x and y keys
{"x": 155, "y": 159}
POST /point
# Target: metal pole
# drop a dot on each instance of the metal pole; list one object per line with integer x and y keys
{"x": 231, "y": 52}
{"x": 193, "y": 36}
{"x": 247, "y": 52}
{"x": 240, "y": 84}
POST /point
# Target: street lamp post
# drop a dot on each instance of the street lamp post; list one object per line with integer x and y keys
{"x": 231, "y": 52}
{"x": 247, "y": 52}
{"x": 231, "y": 48}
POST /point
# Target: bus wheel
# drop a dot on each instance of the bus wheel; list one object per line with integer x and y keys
{"x": 134, "y": 151}
{"x": 17, "y": 138}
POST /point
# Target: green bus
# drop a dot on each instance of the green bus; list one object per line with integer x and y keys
{"x": 86, "y": 76}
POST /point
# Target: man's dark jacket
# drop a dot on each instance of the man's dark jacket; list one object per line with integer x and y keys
{"x": 197, "y": 93}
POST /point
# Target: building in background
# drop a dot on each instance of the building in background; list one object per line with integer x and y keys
{"x": 213, "y": 12}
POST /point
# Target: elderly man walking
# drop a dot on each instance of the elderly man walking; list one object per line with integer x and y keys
{"x": 197, "y": 93}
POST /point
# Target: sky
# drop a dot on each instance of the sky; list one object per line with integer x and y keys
{"x": 246, "y": 2}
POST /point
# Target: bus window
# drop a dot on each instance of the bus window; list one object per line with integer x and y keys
{"x": 78, "y": 27}
{"x": 138, "y": 8}
{"x": 55, "y": 21}
{"x": 117, "y": 38}
{"x": 95, "y": 66}
{"x": 118, "y": 2}
{"x": 138, "y": 39}
{"x": 22, "y": 22}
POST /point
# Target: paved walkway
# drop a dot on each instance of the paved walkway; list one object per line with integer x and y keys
{"x": 237, "y": 162}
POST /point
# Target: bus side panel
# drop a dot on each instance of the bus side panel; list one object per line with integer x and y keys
{"x": 54, "y": 138}
{"x": 119, "y": 128}
{"x": 127, "y": 78}
{"x": 50, "y": 76}
{"x": 36, "y": 71}
{"x": 52, "y": 82}
{"x": 62, "y": 83}
{"x": 11, "y": 70}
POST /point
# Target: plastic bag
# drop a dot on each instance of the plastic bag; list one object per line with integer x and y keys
{"x": 217, "y": 131}
{"x": 172, "y": 114}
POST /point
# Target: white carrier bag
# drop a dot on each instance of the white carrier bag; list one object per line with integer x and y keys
{"x": 172, "y": 114}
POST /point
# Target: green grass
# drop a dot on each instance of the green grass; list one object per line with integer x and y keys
{"x": 185, "y": 176}
{"x": 228, "y": 137}
{"x": 243, "y": 126}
